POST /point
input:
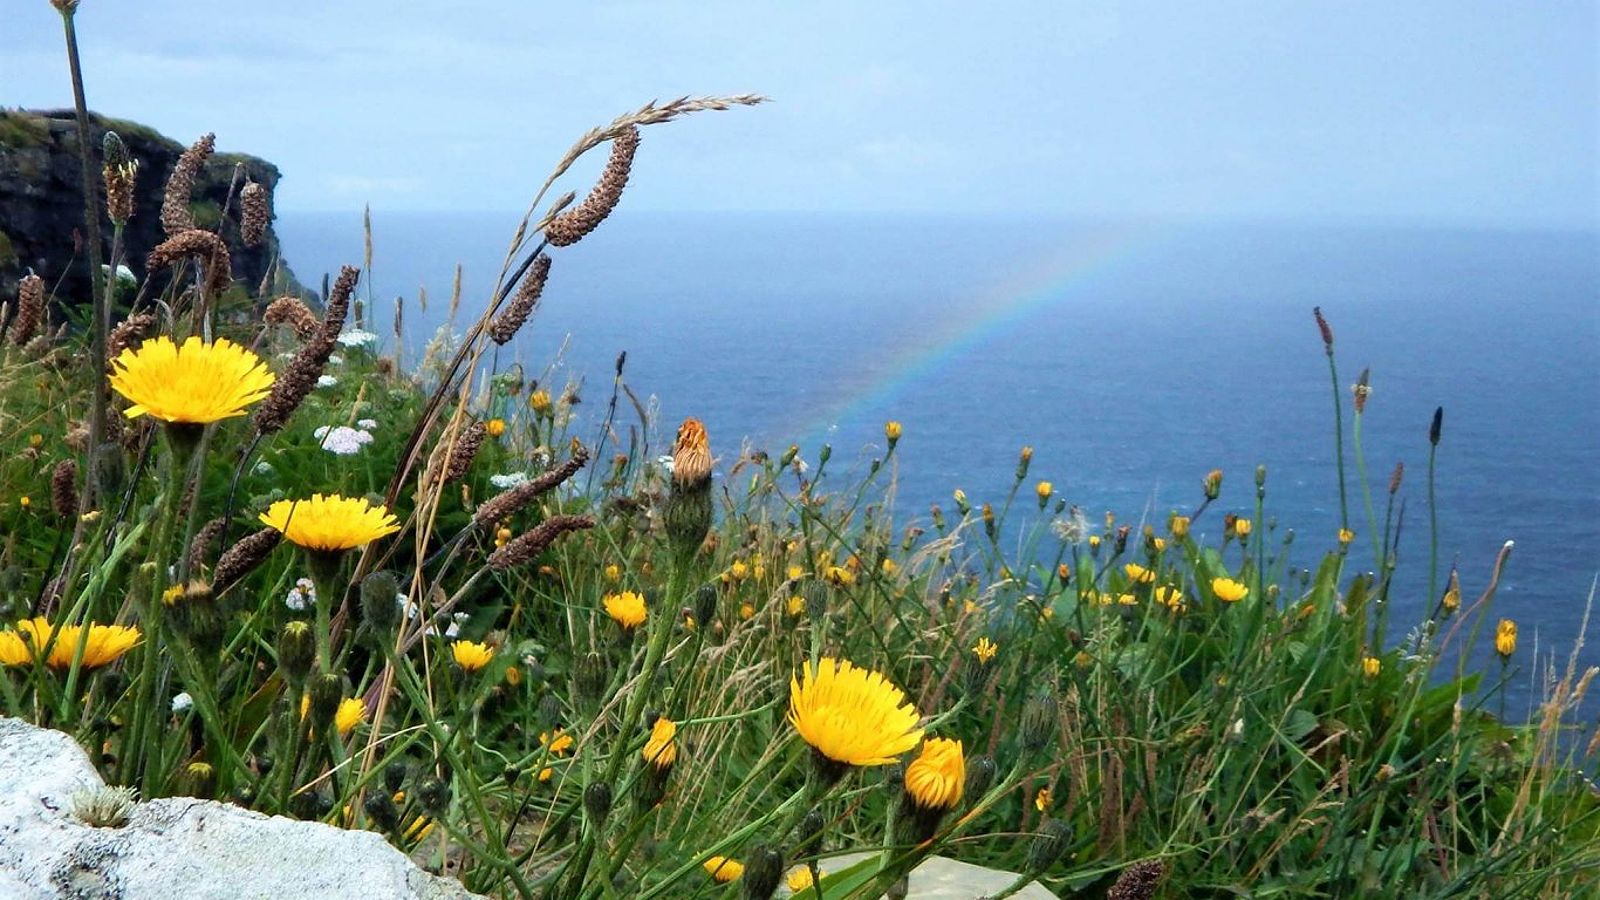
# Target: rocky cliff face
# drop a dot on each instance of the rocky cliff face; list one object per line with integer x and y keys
{"x": 41, "y": 202}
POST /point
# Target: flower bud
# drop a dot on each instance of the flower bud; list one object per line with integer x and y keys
{"x": 1213, "y": 484}
{"x": 378, "y": 607}
{"x": 1436, "y": 426}
{"x": 597, "y": 802}
{"x": 297, "y": 648}
{"x": 325, "y": 691}
{"x": 980, "y": 776}
{"x": 705, "y": 605}
{"x": 809, "y": 834}
{"x": 394, "y": 776}
{"x": 1048, "y": 845}
{"x": 763, "y": 869}
{"x": 434, "y": 795}
{"x": 381, "y": 810}
{"x": 590, "y": 678}
{"x": 1038, "y": 721}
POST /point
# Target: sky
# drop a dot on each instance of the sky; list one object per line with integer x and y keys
{"x": 1459, "y": 111}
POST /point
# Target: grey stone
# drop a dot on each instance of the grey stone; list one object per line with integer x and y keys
{"x": 176, "y": 847}
{"x": 943, "y": 878}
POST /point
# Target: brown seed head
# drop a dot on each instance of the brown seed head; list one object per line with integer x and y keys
{"x": 127, "y": 333}
{"x": 64, "y": 489}
{"x": 175, "y": 214}
{"x": 253, "y": 214}
{"x": 530, "y": 544}
{"x": 505, "y": 326}
{"x": 204, "y": 540}
{"x": 1324, "y": 327}
{"x": 119, "y": 173}
{"x": 237, "y": 561}
{"x": 1394, "y": 480}
{"x": 1362, "y": 391}
{"x": 293, "y": 312}
{"x": 501, "y": 506}
{"x": 338, "y": 305}
{"x": 464, "y": 451}
{"x": 30, "y": 309}
{"x": 691, "y": 455}
{"x": 571, "y": 226}
{"x": 1138, "y": 881}
{"x": 202, "y": 246}
{"x": 294, "y": 384}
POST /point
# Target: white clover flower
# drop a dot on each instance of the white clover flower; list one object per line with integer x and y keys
{"x": 342, "y": 440}
{"x": 358, "y": 338}
{"x": 182, "y": 703}
{"x": 326, "y": 381}
{"x": 508, "y": 481}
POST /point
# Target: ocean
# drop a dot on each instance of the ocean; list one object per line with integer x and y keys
{"x": 1133, "y": 356}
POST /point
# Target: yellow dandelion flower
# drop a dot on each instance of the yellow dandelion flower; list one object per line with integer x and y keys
{"x": 193, "y": 383}
{"x": 1228, "y": 590}
{"x": 738, "y": 571}
{"x": 1094, "y": 542}
{"x": 502, "y": 536}
{"x": 796, "y": 573}
{"x": 969, "y": 606}
{"x": 330, "y": 522}
{"x": 1170, "y": 597}
{"x": 539, "y": 401}
{"x": 1179, "y": 526}
{"x": 985, "y": 650}
{"x": 839, "y": 575}
{"x": 495, "y": 427}
{"x": 627, "y": 608}
{"x": 747, "y": 610}
{"x": 351, "y": 712}
{"x": 1241, "y": 527}
{"x": 799, "y": 878}
{"x": 1044, "y": 489}
{"x": 558, "y": 742}
{"x": 892, "y": 431}
{"x": 25, "y": 501}
{"x": 1127, "y": 600}
{"x": 104, "y": 645}
{"x": 890, "y": 567}
{"x": 934, "y": 779}
{"x": 661, "y": 750}
{"x": 1041, "y": 800}
{"x": 1139, "y": 574}
{"x": 797, "y": 604}
{"x": 1047, "y": 613}
{"x": 852, "y": 715}
{"x": 1371, "y": 666}
{"x": 613, "y": 573}
{"x": 1505, "y": 638}
{"x": 723, "y": 870}
{"x": 1346, "y": 536}
{"x": 471, "y": 655}
{"x": 172, "y": 595}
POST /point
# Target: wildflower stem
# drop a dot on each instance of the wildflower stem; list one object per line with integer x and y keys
{"x": 1338, "y": 438}
{"x": 1366, "y": 495}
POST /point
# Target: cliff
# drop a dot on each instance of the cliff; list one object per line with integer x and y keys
{"x": 41, "y": 202}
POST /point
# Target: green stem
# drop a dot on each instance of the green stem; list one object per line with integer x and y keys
{"x": 1338, "y": 439}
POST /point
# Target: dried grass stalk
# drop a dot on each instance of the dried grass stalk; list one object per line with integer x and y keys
{"x": 506, "y": 325}
{"x": 204, "y": 540}
{"x": 127, "y": 333}
{"x": 175, "y": 214}
{"x": 64, "y": 489}
{"x": 465, "y": 451}
{"x": 253, "y": 214}
{"x": 293, "y": 312}
{"x": 30, "y": 309}
{"x": 338, "y": 306}
{"x": 571, "y": 226}
{"x": 202, "y": 246}
{"x": 501, "y": 506}
{"x": 526, "y": 547}
{"x": 237, "y": 561}
{"x": 297, "y": 381}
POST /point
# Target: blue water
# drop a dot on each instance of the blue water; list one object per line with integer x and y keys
{"x": 1133, "y": 356}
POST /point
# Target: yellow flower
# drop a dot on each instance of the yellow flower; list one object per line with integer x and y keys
{"x": 495, "y": 427}
{"x": 1228, "y": 590}
{"x": 1452, "y": 594}
{"x": 738, "y": 571}
{"x": 1179, "y": 526}
{"x": 502, "y": 537}
{"x": 936, "y": 777}
{"x": 194, "y": 383}
{"x": 25, "y": 501}
{"x": 1047, "y": 613}
{"x": 796, "y": 573}
{"x": 613, "y": 573}
{"x": 723, "y": 870}
{"x": 513, "y": 675}
{"x": 1371, "y": 666}
{"x": 471, "y": 655}
{"x": 852, "y": 715}
{"x": 351, "y": 712}
{"x": 1139, "y": 574}
{"x": 1346, "y": 536}
{"x": 1241, "y": 527}
{"x": 1159, "y": 543}
{"x": 890, "y": 567}
{"x": 799, "y": 878}
{"x": 1044, "y": 489}
{"x": 539, "y": 401}
{"x": 839, "y": 575}
{"x": 1041, "y": 800}
{"x": 172, "y": 595}
{"x": 330, "y": 522}
{"x": 627, "y": 608}
{"x": 559, "y": 743}
{"x": 1094, "y": 542}
{"x": 969, "y": 606}
{"x": 661, "y": 750}
{"x": 797, "y": 604}
{"x": 104, "y": 645}
{"x": 747, "y": 610}
{"x": 1505, "y": 638}
{"x": 892, "y": 430}
{"x": 1127, "y": 600}
{"x": 1170, "y": 597}
{"x": 985, "y": 650}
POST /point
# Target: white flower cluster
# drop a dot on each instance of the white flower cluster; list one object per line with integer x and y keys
{"x": 342, "y": 440}
{"x": 409, "y": 610}
{"x": 302, "y": 596}
{"x": 358, "y": 338}
{"x": 326, "y": 381}
{"x": 182, "y": 703}
{"x": 508, "y": 481}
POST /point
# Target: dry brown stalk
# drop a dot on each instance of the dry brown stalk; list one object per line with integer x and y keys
{"x": 30, "y": 309}
{"x": 530, "y": 544}
{"x": 199, "y": 245}
{"x": 571, "y": 226}
{"x": 293, "y": 312}
{"x": 501, "y": 506}
{"x": 175, "y": 214}
{"x": 127, "y": 333}
{"x": 253, "y": 214}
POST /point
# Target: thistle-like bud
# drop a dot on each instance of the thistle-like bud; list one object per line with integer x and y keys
{"x": 394, "y": 776}
{"x": 119, "y": 173}
{"x": 1048, "y": 845}
{"x": 325, "y": 689}
{"x": 1024, "y": 459}
{"x": 195, "y": 615}
{"x": 1138, "y": 881}
{"x": 809, "y": 835}
{"x": 175, "y": 214}
{"x": 705, "y": 605}
{"x": 254, "y": 214}
{"x": 763, "y": 869}
{"x": 688, "y": 510}
{"x": 434, "y": 795}
{"x": 550, "y": 710}
{"x": 297, "y": 649}
{"x": 1324, "y": 328}
{"x": 30, "y": 309}
{"x": 571, "y": 226}
{"x": 1436, "y": 426}
{"x": 1038, "y": 720}
{"x": 980, "y": 776}
{"x": 510, "y": 320}
{"x": 590, "y": 678}
{"x": 64, "y": 489}
{"x": 1261, "y": 476}
{"x": 788, "y": 456}
{"x": 816, "y": 595}
{"x": 597, "y": 802}
{"x": 378, "y": 607}
{"x": 381, "y": 810}
{"x": 238, "y": 561}
{"x": 1213, "y": 484}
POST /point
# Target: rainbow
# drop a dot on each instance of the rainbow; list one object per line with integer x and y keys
{"x": 1065, "y": 272}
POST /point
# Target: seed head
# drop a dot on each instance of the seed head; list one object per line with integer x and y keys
{"x": 119, "y": 173}
{"x": 238, "y": 561}
{"x": 64, "y": 489}
{"x": 175, "y": 214}
{"x": 128, "y": 332}
{"x": 505, "y": 326}
{"x": 1324, "y": 327}
{"x": 574, "y": 224}
{"x": 530, "y": 544}
{"x": 30, "y": 309}
{"x": 254, "y": 214}
{"x": 1138, "y": 881}
{"x": 202, "y": 246}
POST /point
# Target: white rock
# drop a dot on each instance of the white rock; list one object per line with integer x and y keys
{"x": 177, "y": 847}
{"x": 943, "y": 878}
